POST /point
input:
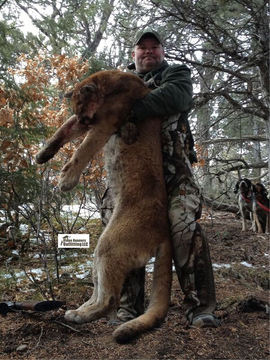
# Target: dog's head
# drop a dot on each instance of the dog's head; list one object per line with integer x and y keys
{"x": 259, "y": 189}
{"x": 243, "y": 185}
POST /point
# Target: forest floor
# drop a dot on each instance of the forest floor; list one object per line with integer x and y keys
{"x": 241, "y": 263}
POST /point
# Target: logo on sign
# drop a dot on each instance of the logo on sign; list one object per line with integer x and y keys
{"x": 74, "y": 241}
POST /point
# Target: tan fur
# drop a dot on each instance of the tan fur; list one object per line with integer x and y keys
{"x": 139, "y": 226}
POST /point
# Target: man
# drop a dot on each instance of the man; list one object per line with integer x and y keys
{"x": 171, "y": 98}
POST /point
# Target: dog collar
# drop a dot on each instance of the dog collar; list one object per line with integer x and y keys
{"x": 263, "y": 207}
{"x": 246, "y": 199}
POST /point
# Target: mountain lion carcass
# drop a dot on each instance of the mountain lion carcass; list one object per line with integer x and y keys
{"x": 138, "y": 228}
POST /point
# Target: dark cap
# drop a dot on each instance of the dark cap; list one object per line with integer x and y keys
{"x": 144, "y": 32}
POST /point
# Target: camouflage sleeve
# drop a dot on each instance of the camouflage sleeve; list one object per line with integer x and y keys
{"x": 174, "y": 95}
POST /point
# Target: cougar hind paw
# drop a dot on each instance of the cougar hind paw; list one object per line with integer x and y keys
{"x": 74, "y": 317}
{"x": 124, "y": 333}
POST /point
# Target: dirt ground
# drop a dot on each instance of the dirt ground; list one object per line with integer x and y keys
{"x": 241, "y": 263}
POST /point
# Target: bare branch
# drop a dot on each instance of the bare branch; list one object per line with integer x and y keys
{"x": 235, "y": 139}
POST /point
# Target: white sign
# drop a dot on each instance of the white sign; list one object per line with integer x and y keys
{"x": 75, "y": 241}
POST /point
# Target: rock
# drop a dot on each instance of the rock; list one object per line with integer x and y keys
{"x": 22, "y": 348}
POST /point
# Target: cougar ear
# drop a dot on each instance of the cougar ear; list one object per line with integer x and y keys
{"x": 89, "y": 88}
{"x": 68, "y": 95}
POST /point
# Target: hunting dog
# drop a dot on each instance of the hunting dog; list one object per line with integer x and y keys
{"x": 260, "y": 208}
{"x": 253, "y": 198}
{"x": 244, "y": 187}
{"x": 138, "y": 228}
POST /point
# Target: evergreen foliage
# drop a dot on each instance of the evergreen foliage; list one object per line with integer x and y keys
{"x": 224, "y": 42}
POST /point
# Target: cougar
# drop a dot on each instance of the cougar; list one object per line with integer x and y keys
{"x": 138, "y": 229}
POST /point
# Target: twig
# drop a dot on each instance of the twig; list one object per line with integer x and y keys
{"x": 38, "y": 342}
{"x": 67, "y": 326}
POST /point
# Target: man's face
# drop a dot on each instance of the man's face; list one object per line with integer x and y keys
{"x": 147, "y": 54}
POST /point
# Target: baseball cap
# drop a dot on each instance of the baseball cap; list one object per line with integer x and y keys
{"x": 141, "y": 33}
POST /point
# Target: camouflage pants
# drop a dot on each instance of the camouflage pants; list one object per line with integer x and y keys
{"x": 191, "y": 252}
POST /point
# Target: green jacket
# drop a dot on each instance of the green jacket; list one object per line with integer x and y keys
{"x": 171, "y": 91}
{"x": 171, "y": 96}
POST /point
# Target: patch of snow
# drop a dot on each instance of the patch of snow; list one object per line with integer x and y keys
{"x": 23, "y": 229}
{"x": 227, "y": 266}
{"x": 83, "y": 275}
{"x": 73, "y": 209}
{"x": 246, "y": 264}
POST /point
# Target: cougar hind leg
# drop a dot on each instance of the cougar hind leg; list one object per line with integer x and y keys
{"x": 159, "y": 299}
{"x": 106, "y": 294}
{"x": 94, "y": 296}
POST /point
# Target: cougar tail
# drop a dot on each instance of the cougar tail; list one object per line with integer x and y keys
{"x": 159, "y": 298}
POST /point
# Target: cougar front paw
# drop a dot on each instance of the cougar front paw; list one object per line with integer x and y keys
{"x": 68, "y": 178}
{"x": 47, "y": 152}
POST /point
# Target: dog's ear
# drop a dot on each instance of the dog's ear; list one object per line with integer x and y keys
{"x": 248, "y": 182}
{"x": 254, "y": 188}
{"x": 68, "y": 95}
{"x": 235, "y": 190}
{"x": 264, "y": 191}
